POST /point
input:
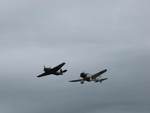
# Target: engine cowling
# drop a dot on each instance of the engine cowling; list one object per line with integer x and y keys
{"x": 83, "y": 75}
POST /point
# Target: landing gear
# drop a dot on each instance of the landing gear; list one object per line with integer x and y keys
{"x": 82, "y": 82}
{"x": 96, "y": 81}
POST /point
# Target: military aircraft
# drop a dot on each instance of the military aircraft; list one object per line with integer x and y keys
{"x": 55, "y": 71}
{"x": 89, "y": 77}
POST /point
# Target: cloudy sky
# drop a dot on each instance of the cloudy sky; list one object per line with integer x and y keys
{"x": 89, "y": 35}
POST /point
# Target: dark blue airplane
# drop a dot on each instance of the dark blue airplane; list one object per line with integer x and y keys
{"x": 55, "y": 71}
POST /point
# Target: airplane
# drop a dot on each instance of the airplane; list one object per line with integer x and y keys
{"x": 55, "y": 71}
{"x": 89, "y": 77}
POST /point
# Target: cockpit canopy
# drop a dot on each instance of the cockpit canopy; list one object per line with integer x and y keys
{"x": 46, "y": 69}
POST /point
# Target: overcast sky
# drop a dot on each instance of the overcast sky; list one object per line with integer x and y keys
{"x": 89, "y": 35}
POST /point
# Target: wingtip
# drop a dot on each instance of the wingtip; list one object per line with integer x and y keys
{"x": 71, "y": 81}
{"x": 38, "y": 76}
{"x": 63, "y": 62}
{"x": 105, "y": 70}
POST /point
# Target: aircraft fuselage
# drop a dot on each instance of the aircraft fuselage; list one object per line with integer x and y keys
{"x": 89, "y": 79}
{"x": 51, "y": 71}
{"x": 56, "y": 70}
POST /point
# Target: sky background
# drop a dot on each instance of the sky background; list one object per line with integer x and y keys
{"x": 89, "y": 35}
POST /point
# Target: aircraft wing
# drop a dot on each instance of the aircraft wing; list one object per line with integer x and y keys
{"x": 76, "y": 80}
{"x": 99, "y": 73}
{"x": 41, "y": 75}
{"x": 59, "y": 66}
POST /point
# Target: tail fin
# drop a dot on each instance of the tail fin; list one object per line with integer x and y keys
{"x": 44, "y": 68}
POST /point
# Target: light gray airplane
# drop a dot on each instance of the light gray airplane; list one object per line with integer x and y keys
{"x": 55, "y": 71}
{"x": 88, "y": 77}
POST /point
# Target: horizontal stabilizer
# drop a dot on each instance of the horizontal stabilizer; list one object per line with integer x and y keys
{"x": 101, "y": 80}
{"x": 64, "y": 71}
